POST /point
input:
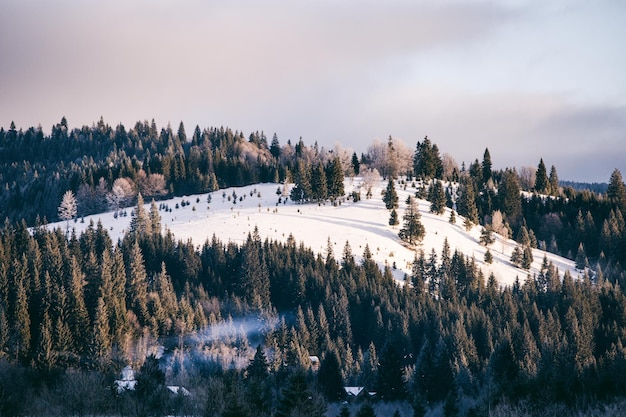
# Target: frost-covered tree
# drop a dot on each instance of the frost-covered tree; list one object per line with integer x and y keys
{"x": 67, "y": 208}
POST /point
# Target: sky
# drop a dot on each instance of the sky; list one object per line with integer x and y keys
{"x": 527, "y": 79}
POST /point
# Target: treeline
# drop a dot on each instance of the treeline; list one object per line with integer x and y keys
{"x": 78, "y": 307}
{"x": 108, "y": 166}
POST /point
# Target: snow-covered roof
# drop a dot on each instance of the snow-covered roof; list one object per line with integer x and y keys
{"x": 354, "y": 391}
{"x": 175, "y": 389}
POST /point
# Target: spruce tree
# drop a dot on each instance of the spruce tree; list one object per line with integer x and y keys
{"x": 393, "y": 218}
{"x": 412, "y": 230}
{"x": 437, "y": 198}
{"x": 554, "y": 181}
{"x": 542, "y": 184}
{"x": 488, "y": 257}
{"x": 581, "y": 258}
{"x": 390, "y": 384}
{"x": 390, "y": 197}
{"x": 356, "y": 165}
{"x": 616, "y": 191}
{"x": 486, "y": 166}
{"x": 329, "y": 378}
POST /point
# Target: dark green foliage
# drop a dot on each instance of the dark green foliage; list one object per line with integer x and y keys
{"x": 393, "y": 218}
{"x": 329, "y": 378}
{"x": 298, "y": 400}
{"x": 366, "y": 410}
{"x": 390, "y": 384}
{"x": 437, "y": 197}
{"x": 150, "y": 391}
{"x": 488, "y": 257}
{"x": 466, "y": 203}
{"x": 486, "y": 166}
{"x": 542, "y": 184}
{"x": 486, "y": 236}
{"x": 427, "y": 163}
{"x": 73, "y": 307}
{"x": 390, "y": 197}
{"x": 412, "y": 229}
{"x": 356, "y": 164}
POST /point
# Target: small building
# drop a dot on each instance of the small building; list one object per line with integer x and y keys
{"x": 315, "y": 363}
{"x": 128, "y": 380}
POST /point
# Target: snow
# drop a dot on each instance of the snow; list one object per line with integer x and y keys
{"x": 361, "y": 223}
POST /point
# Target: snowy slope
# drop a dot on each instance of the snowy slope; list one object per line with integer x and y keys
{"x": 362, "y": 223}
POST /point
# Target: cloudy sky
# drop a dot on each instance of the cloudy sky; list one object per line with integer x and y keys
{"x": 525, "y": 78}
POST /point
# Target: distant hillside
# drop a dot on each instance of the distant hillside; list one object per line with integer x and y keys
{"x": 599, "y": 188}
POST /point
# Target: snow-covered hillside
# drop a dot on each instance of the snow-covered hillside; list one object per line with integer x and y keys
{"x": 362, "y": 223}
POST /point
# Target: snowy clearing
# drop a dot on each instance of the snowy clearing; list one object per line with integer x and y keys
{"x": 361, "y": 223}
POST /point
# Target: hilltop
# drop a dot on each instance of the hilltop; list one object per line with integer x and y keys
{"x": 234, "y": 212}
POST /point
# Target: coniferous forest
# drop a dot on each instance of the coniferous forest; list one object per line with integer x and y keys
{"x": 270, "y": 328}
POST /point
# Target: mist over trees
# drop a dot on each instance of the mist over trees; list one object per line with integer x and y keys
{"x": 75, "y": 310}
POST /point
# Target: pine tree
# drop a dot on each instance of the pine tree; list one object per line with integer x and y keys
{"x": 393, "y": 218}
{"x": 527, "y": 257}
{"x": 581, "y": 258}
{"x": 510, "y": 197}
{"x": 486, "y": 236}
{"x": 488, "y": 257}
{"x": 616, "y": 191}
{"x": 452, "y": 219}
{"x": 554, "y": 181}
{"x": 319, "y": 190}
{"x": 45, "y": 357}
{"x": 391, "y": 375}
{"x": 329, "y": 378}
{"x": 298, "y": 400}
{"x": 356, "y": 165}
{"x": 100, "y": 348}
{"x": 437, "y": 198}
{"x": 466, "y": 204}
{"x": 150, "y": 389}
{"x": 412, "y": 230}
{"x": 542, "y": 184}
{"x": 390, "y": 197}
{"x": 275, "y": 147}
{"x": 137, "y": 294}
{"x": 335, "y": 178}
{"x": 486, "y": 166}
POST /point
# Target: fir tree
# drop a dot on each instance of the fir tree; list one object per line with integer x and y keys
{"x": 437, "y": 198}
{"x": 356, "y": 165}
{"x": 486, "y": 236}
{"x": 486, "y": 166}
{"x": 391, "y": 375}
{"x": 542, "y": 184}
{"x": 488, "y": 257}
{"x": 581, "y": 258}
{"x": 390, "y": 197}
{"x": 553, "y": 180}
{"x": 393, "y": 218}
{"x": 329, "y": 378}
{"x": 616, "y": 191}
{"x": 412, "y": 230}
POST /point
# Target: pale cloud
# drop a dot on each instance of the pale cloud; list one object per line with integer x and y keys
{"x": 469, "y": 74}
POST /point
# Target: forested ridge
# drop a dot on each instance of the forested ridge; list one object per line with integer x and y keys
{"x": 74, "y": 310}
